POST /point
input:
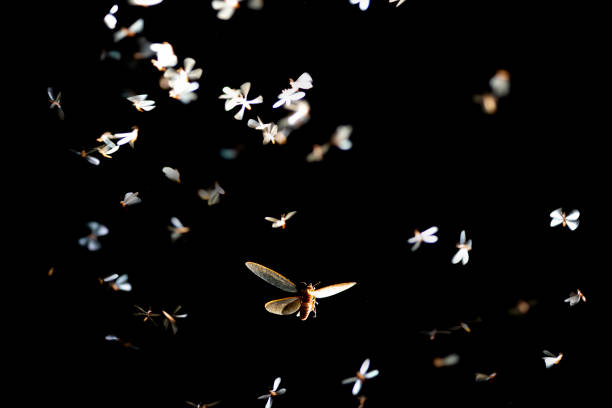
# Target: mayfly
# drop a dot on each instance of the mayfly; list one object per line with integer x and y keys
{"x": 130, "y": 199}
{"x": 362, "y": 375}
{"x": 171, "y": 318}
{"x": 117, "y": 283}
{"x": 282, "y": 223}
{"x": 148, "y": 314}
{"x": 463, "y": 255}
{"x": 177, "y": 229}
{"x": 550, "y": 359}
{"x": 304, "y": 303}
{"x": 575, "y": 297}
{"x": 273, "y": 392}
{"x": 90, "y": 241}
{"x": 55, "y": 102}
{"x": 427, "y": 236}
{"x": 212, "y": 195}
{"x": 567, "y": 220}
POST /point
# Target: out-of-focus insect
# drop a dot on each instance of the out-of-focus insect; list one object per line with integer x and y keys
{"x": 116, "y": 282}
{"x": 171, "y": 318}
{"x": 488, "y": 101}
{"x": 341, "y": 136}
{"x": 363, "y": 4}
{"x": 172, "y": 174}
{"x": 269, "y": 130}
{"x": 144, "y": 3}
{"x": 212, "y": 195}
{"x": 130, "y": 31}
{"x": 318, "y": 153}
{"x": 480, "y": 377}
{"x": 463, "y": 255}
{"x": 427, "y": 236}
{"x": 110, "y": 54}
{"x": 361, "y": 376}
{"x": 559, "y": 217}
{"x": 276, "y": 223}
{"x": 123, "y": 138}
{"x": 124, "y": 343}
{"x": 362, "y": 399}
{"x": 225, "y": 8}
{"x": 86, "y": 155}
{"x": 288, "y": 96}
{"x": 165, "y": 57}
{"x": 51, "y": 271}
{"x": 464, "y": 326}
{"x": 273, "y": 392}
{"x": 447, "y": 361}
{"x": 172, "y": 76}
{"x": 109, "y": 147}
{"x": 200, "y": 405}
{"x": 141, "y": 103}
{"x": 148, "y": 314}
{"x": 55, "y": 102}
{"x": 300, "y": 115}
{"x": 109, "y": 19}
{"x": 575, "y": 297}
{"x": 182, "y": 89}
{"x": 304, "y": 81}
{"x": 177, "y": 229}
{"x": 399, "y": 2}
{"x": 304, "y": 303}
{"x": 91, "y": 241}
{"x": 550, "y": 359}
{"x": 433, "y": 333}
{"x": 522, "y": 307}
{"x": 500, "y": 83}
{"x": 130, "y": 199}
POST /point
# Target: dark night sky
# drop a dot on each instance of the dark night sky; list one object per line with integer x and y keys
{"x": 423, "y": 154}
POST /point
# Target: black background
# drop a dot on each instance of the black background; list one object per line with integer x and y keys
{"x": 423, "y": 154}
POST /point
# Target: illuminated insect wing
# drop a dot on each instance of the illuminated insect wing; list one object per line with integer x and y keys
{"x": 141, "y": 103}
{"x": 340, "y": 138}
{"x": 447, "y": 361}
{"x": 285, "y": 306}
{"x": 177, "y": 229}
{"x": 556, "y": 217}
{"x": 363, "y": 4}
{"x": 85, "y": 154}
{"x": 55, "y": 102}
{"x": 575, "y": 298}
{"x": 122, "y": 284}
{"x": 272, "y": 277}
{"x": 480, "y": 377}
{"x": 144, "y": 3}
{"x": 572, "y": 220}
{"x": 550, "y": 359}
{"x": 398, "y": 4}
{"x": 132, "y": 30}
{"x": 130, "y": 199}
{"x": 172, "y": 174}
{"x": 500, "y": 83}
{"x": 275, "y": 222}
{"x": 109, "y": 19}
{"x": 333, "y": 289}
{"x": 164, "y": 54}
{"x": 192, "y": 74}
{"x": 429, "y": 235}
{"x": 304, "y": 81}
{"x": 226, "y": 8}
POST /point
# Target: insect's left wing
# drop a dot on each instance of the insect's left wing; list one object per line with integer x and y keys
{"x": 272, "y": 277}
{"x": 285, "y": 306}
{"x": 333, "y": 289}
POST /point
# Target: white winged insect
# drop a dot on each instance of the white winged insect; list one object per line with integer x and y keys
{"x": 428, "y": 236}
{"x": 170, "y": 320}
{"x": 362, "y": 375}
{"x": 165, "y": 57}
{"x": 182, "y": 88}
{"x": 177, "y": 229}
{"x": 109, "y": 147}
{"x": 463, "y": 254}
{"x": 500, "y": 83}
{"x": 172, "y": 77}
{"x": 91, "y": 241}
{"x": 273, "y": 392}
{"x": 304, "y": 303}
{"x": 363, "y": 4}
{"x": 144, "y": 3}
{"x": 136, "y": 27}
{"x": 575, "y": 297}
{"x": 130, "y": 199}
{"x": 55, "y": 102}
{"x": 447, "y": 361}
{"x": 269, "y": 130}
{"x": 300, "y": 115}
{"x": 109, "y": 19}
{"x": 117, "y": 282}
{"x": 123, "y": 138}
{"x": 550, "y": 359}
{"x": 86, "y": 155}
{"x": 318, "y": 152}
{"x": 141, "y": 103}
{"x": 481, "y": 377}
{"x": 288, "y": 96}
{"x": 276, "y": 223}
{"x": 570, "y": 220}
{"x": 225, "y": 8}
{"x": 200, "y": 405}
{"x": 399, "y": 3}
{"x": 212, "y": 195}
{"x": 243, "y": 101}
{"x": 341, "y": 136}
{"x": 172, "y": 174}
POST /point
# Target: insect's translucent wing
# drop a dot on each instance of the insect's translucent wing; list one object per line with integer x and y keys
{"x": 333, "y": 289}
{"x": 259, "y": 99}
{"x": 417, "y": 244}
{"x": 121, "y": 279}
{"x": 245, "y": 88}
{"x": 356, "y": 388}
{"x": 240, "y": 113}
{"x": 281, "y": 391}
{"x": 176, "y": 222}
{"x": 278, "y": 103}
{"x": 371, "y": 374}
{"x": 304, "y": 81}
{"x": 549, "y": 361}
{"x": 93, "y": 245}
{"x": 349, "y": 380}
{"x": 264, "y": 396}
{"x": 137, "y": 26}
{"x": 276, "y": 383}
{"x": 458, "y": 256}
{"x": 252, "y": 123}
{"x": 573, "y": 216}
{"x": 364, "y": 366}
{"x": 290, "y": 214}
{"x": 126, "y": 287}
{"x": 462, "y": 237}
{"x": 466, "y": 256}
{"x": 548, "y": 353}
{"x": 572, "y": 225}
{"x": 271, "y": 219}
{"x": 269, "y": 402}
{"x": 285, "y": 306}
{"x": 272, "y": 277}
{"x": 430, "y": 231}
{"x": 555, "y": 221}
{"x": 557, "y": 213}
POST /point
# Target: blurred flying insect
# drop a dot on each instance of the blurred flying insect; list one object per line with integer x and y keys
{"x": 500, "y": 83}
{"x": 559, "y": 217}
{"x": 522, "y": 307}
{"x": 212, "y": 195}
{"x": 177, "y": 229}
{"x": 225, "y": 8}
{"x": 464, "y": 326}
{"x": 90, "y": 241}
{"x": 304, "y": 303}
{"x": 124, "y": 343}
{"x": 269, "y": 130}
{"x": 488, "y": 102}
{"x": 109, "y": 147}
{"x": 144, "y": 3}
{"x": 200, "y": 405}
{"x": 242, "y": 100}
{"x": 148, "y": 314}
{"x": 550, "y": 359}
{"x": 433, "y": 333}
{"x": 117, "y": 283}
{"x": 288, "y": 96}
{"x": 165, "y": 57}
{"x": 141, "y": 103}
{"x": 109, "y": 19}
{"x": 427, "y": 236}
{"x": 172, "y": 174}
{"x": 361, "y": 376}
{"x": 130, "y": 31}
{"x": 363, "y": 4}
{"x": 273, "y": 392}
{"x": 304, "y": 81}
{"x": 86, "y": 154}
{"x": 123, "y": 138}
{"x": 399, "y": 3}
{"x": 130, "y": 199}
{"x": 318, "y": 153}
{"x": 450, "y": 360}
{"x": 276, "y": 223}
{"x": 575, "y": 298}
{"x": 55, "y": 102}
{"x": 341, "y": 136}
{"x": 170, "y": 320}
{"x": 463, "y": 255}
{"x": 480, "y": 377}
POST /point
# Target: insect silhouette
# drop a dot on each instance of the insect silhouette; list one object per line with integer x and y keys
{"x": 304, "y": 303}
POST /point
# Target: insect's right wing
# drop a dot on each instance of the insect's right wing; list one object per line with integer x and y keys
{"x": 272, "y": 277}
{"x": 285, "y": 306}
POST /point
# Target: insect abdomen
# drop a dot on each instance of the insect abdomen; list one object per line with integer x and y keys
{"x": 307, "y": 306}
